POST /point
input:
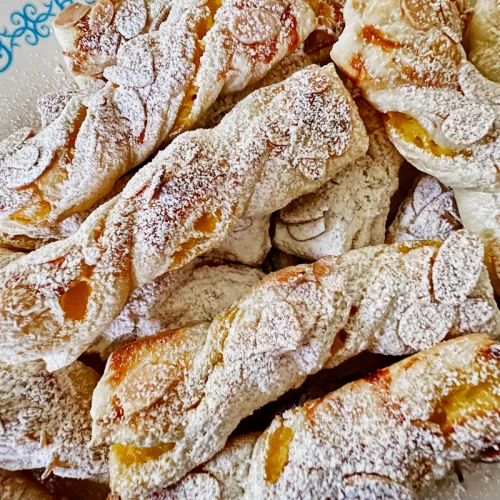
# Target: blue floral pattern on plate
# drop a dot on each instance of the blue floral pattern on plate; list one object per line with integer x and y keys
{"x": 28, "y": 25}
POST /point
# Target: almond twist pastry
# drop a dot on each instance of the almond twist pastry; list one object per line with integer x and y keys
{"x": 45, "y": 420}
{"x": 394, "y": 434}
{"x": 91, "y": 36}
{"x": 162, "y": 83}
{"x": 196, "y": 293}
{"x": 169, "y": 408}
{"x": 281, "y": 142}
{"x": 429, "y": 212}
{"x": 389, "y": 435}
{"x": 443, "y": 114}
{"x": 351, "y": 210}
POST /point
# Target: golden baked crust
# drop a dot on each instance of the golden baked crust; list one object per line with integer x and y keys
{"x": 389, "y": 435}
{"x": 388, "y": 299}
{"x": 162, "y": 83}
{"x": 429, "y": 212}
{"x": 45, "y": 420}
{"x": 194, "y": 294}
{"x": 279, "y": 143}
{"x": 443, "y": 114}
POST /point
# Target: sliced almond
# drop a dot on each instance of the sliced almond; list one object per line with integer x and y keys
{"x": 71, "y": 15}
{"x": 22, "y": 168}
{"x": 307, "y": 230}
{"x": 101, "y": 15}
{"x": 131, "y": 18}
{"x": 457, "y": 267}
{"x": 251, "y": 26}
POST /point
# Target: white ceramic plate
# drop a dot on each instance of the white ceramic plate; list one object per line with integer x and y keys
{"x": 31, "y": 65}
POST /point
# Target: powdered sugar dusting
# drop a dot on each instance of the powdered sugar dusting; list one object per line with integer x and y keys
{"x": 46, "y": 421}
{"x": 332, "y": 310}
{"x": 429, "y": 212}
{"x": 389, "y": 435}
{"x": 159, "y": 84}
{"x": 351, "y": 210}
{"x": 176, "y": 208}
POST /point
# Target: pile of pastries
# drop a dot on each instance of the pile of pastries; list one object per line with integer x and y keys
{"x": 226, "y": 212}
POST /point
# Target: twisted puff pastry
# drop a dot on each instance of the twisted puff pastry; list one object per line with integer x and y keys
{"x": 394, "y": 434}
{"x": 281, "y": 142}
{"x": 351, "y": 210}
{"x": 443, "y": 114}
{"x": 389, "y": 435}
{"x": 163, "y": 82}
{"x": 429, "y": 212}
{"x": 196, "y": 293}
{"x": 91, "y": 36}
{"x": 167, "y": 417}
{"x": 45, "y": 420}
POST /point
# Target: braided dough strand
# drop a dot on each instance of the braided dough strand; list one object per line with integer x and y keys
{"x": 161, "y": 85}
{"x": 443, "y": 114}
{"x": 279, "y": 143}
{"x": 389, "y": 435}
{"x": 387, "y": 299}
{"x": 394, "y": 434}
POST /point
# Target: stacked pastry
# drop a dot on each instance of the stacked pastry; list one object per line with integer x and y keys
{"x": 283, "y": 153}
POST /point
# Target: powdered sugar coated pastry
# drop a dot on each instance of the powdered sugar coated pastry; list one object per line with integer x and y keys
{"x": 162, "y": 83}
{"x": 351, "y": 210}
{"x": 388, "y": 299}
{"x": 196, "y": 293}
{"x": 91, "y": 36}
{"x": 429, "y": 212}
{"x": 223, "y": 477}
{"x": 443, "y": 114}
{"x": 248, "y": 243}
{"x": 8, "y": 256}
{"x": 45, "y": 420}
{"x": 390, "y": 434}
{"x": 31, "y": 240}
{"x": 281, "y": 142}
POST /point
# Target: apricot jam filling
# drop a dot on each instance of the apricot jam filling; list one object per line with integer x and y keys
{"x": 133, "y": 455}
{"x": 464, "y": 402}
{"x": 74, "y": 302}
{"x": 184, "y": 121}
{"x": 411, "y": 131}
{"x": 277, "y": 453}
{"x": 39, "y": 207}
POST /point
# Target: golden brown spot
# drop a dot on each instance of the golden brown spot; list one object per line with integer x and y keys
{"x": 277, "y": 453}
{"x": 206, "y": 223}
{"x": 122, "y": 359}
{"x": 373, "y": 36}
{"x": 74, "y": 301}
{"x": 411, "y": 131}
{"x": 133, "y": 455}
{"x": 409, "y": 246}
{"x": 465, "y": 402}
